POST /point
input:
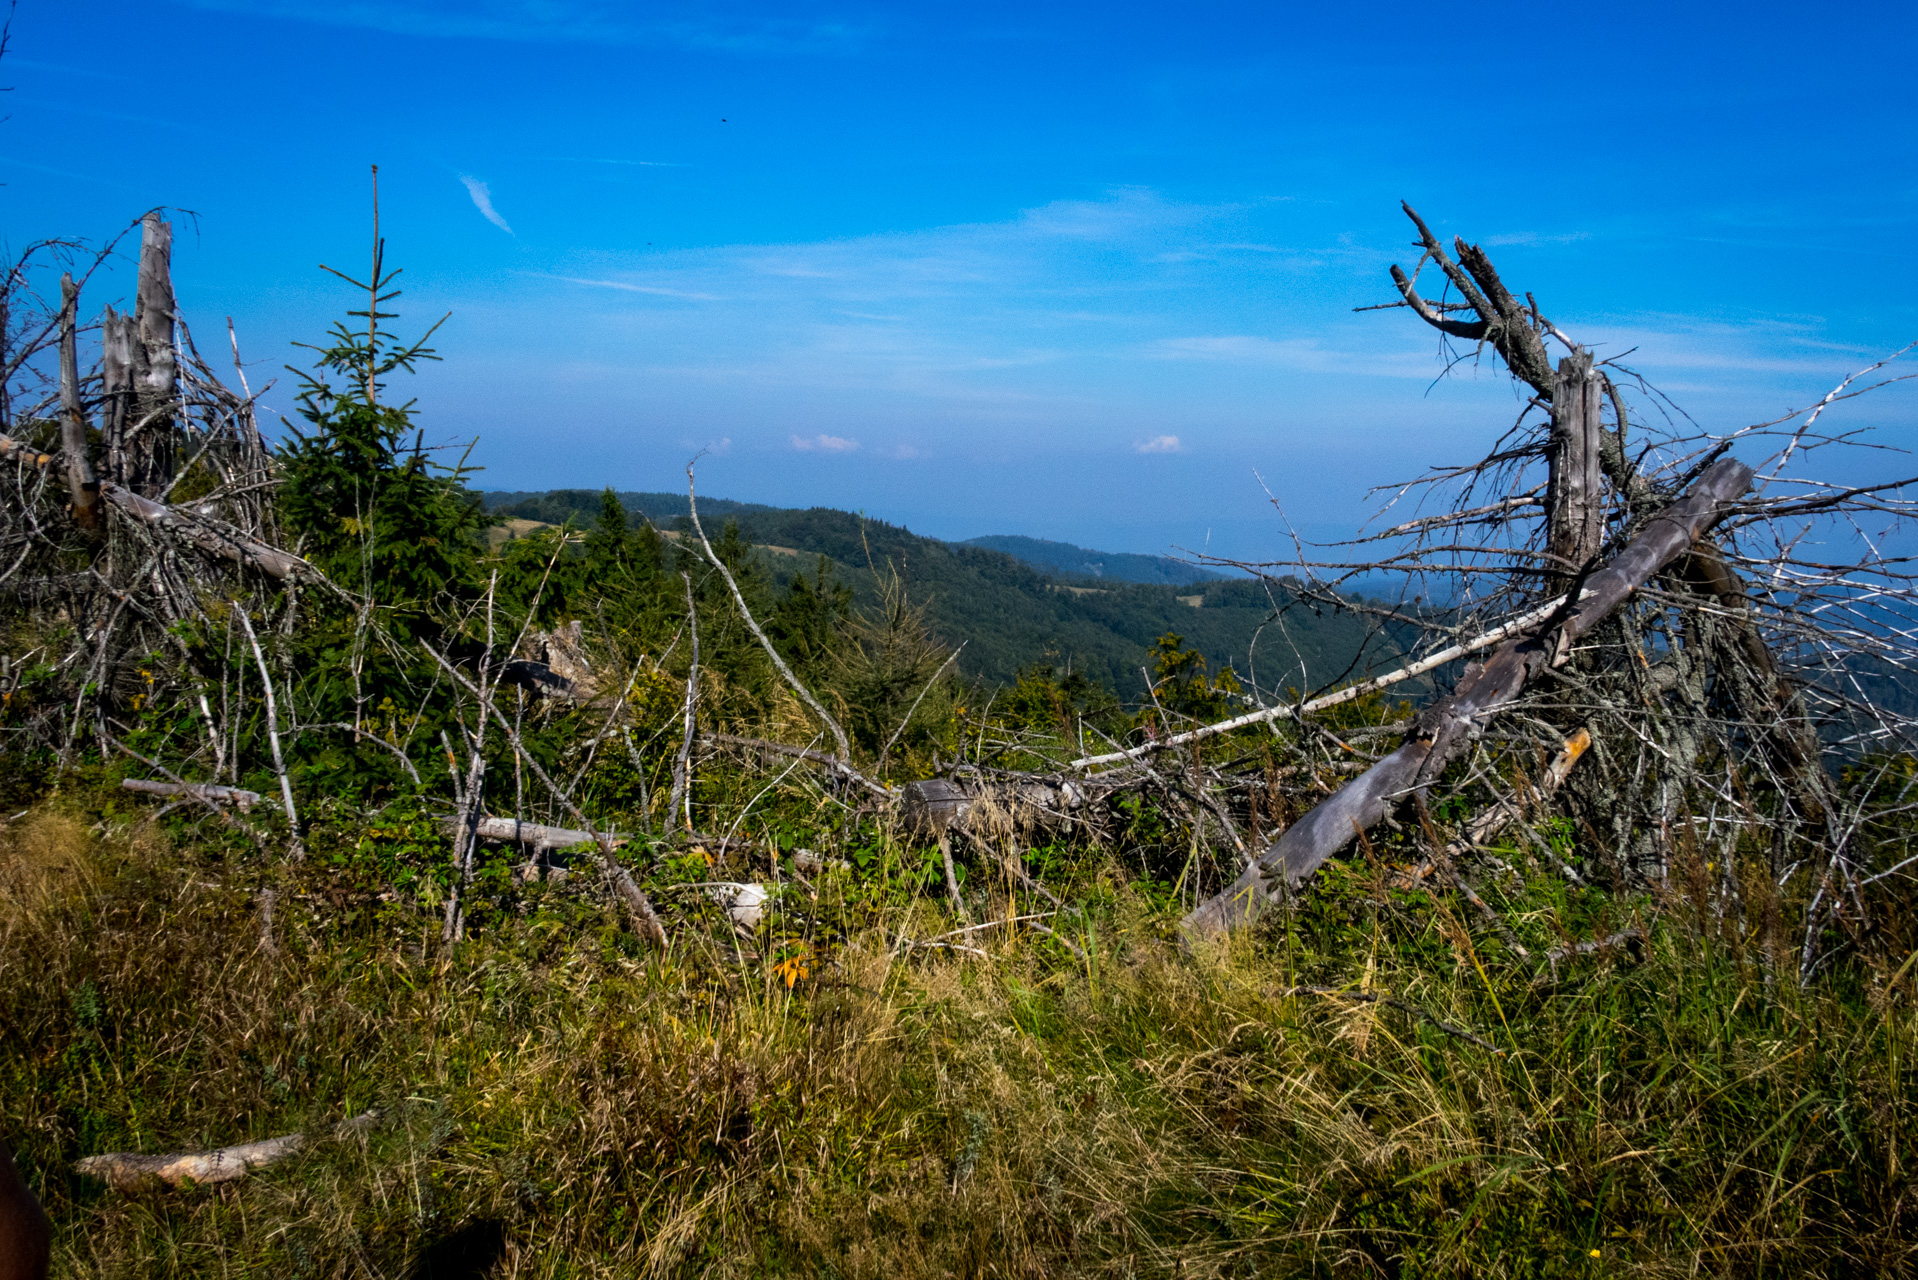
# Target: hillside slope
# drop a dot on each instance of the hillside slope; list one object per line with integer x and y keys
{"x": 1008, "y": 614}
{"x": 1112, "y": 566}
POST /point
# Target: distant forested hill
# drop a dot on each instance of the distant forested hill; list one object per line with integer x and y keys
{"x": 1079, "y": 562}
{"x": 1009, "y": 614}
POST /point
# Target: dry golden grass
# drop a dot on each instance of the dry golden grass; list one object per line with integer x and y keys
{"x": 557, "y": 1103}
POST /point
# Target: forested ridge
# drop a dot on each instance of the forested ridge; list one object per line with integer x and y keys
{"x": 1010, "y": 614}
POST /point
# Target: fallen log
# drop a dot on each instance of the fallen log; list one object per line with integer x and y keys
{"x": 532, "y": 834}
{"x": 1446, "y": 728}
{"x": 208, "y": 534}
{"x": 129, "y": 1172}
{"x": 194, "y": 791}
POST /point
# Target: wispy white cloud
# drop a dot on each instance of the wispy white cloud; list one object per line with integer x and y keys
{"x": 573, "y": 21}
{"x": 823, "y": 443}
{"x": 642, "y": 164}
{"x": 6, "y": 161}
{"x": 483, "y": 201}
{"x": 1528, "y": 239}
{"x": 1366, "y": 357}
{"x": 1061, "y": 333}
{"x": 629, "y": 286}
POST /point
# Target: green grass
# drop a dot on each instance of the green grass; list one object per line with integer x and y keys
{"x": 556, "y": 1102}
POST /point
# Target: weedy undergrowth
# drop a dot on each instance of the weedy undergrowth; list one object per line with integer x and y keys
{"x": 554, "y": 1101}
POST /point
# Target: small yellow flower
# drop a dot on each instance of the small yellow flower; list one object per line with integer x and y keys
{"x": 1595, "y": 1253}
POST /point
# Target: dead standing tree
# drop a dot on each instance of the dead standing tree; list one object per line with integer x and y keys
{"x": 168, "y": 521}
{"x": 1704, "y": 673}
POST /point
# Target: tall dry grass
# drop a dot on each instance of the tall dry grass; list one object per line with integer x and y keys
{"x": 554, "y": 1102}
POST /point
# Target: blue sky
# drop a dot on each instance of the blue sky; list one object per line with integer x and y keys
{"x": 1077, "y": 271}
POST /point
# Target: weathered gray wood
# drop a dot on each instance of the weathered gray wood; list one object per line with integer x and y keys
{"x": 1502, "y": 321}
{"x": 1446, "y": 728}
{"x": 208, "y": 534}
{"x": 83, "y": 491}
{"x": 116, "y": 389}
{"x": 683, "y": 762}
{"x": 928, "y": 808}
{"x": 1574, "y": 499}
{"x": 129, "y": 1171}
{"x": 195, "y": 791}
{"x": 1296, "y": 711}
{"x": 150, "y": 442}
{"x": 531, "y": 834}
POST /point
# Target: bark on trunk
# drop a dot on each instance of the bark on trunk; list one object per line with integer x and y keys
{"x": 150, "y": 443}
{"x": 1450, "y": 725}
{"x": 116, "y": 378}
{"x": 83, "y": 490}
{"x": 1574, "y": 501}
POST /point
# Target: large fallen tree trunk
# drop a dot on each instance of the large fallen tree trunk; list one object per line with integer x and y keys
{"x": 208, "y": 534}
{"x": 1449, "y": 726}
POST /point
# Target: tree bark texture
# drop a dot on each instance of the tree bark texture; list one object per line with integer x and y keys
{"x": 1448, "y": 727}
{"x": 1575, "y": 499}
{"x": 83, "y": 490}
{"x": 116, "y": 387}
{"x": 149, "y": 441}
